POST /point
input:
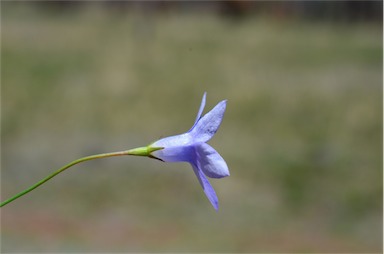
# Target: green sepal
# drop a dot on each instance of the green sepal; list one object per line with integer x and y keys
{"x": 144, "y": 151}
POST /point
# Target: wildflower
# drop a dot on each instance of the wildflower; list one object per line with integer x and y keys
{"x": 191, "y": 147}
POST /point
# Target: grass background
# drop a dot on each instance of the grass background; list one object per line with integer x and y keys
{"x": 302, "y": 134}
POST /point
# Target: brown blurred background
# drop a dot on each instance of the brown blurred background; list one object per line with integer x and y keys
{"x": 302, "y": 134}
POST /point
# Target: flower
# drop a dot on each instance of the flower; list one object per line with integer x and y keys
{"x": 191, "y": 147}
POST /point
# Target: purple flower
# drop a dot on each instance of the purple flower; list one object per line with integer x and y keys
{"x": 191, "y": 147}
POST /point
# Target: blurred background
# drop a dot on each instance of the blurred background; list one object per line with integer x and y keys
{"x": 302, "y": 134}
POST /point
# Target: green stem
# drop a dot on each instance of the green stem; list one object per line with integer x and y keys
{"x": 143, "y": 151}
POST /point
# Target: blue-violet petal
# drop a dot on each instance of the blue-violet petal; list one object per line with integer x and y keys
{"x": 207, "y": 187}
{"x": 210, "y": 161}
{"x": 208, "y": 125}
{"x": 202, "y": 105}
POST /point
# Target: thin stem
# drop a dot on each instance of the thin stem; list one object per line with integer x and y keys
{"x": 92, "y": 157}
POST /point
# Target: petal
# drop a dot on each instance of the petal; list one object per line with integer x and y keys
{"x": 207, "y": 187}
{"x": 210, "y": 161}
{"x": 208, "y": 125}
{"x": 202, "y": 105}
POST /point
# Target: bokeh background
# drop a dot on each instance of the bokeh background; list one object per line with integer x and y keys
{"x": 302, "y": 134}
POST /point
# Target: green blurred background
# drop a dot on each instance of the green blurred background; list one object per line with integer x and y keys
{"x": 302, "y": 134}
